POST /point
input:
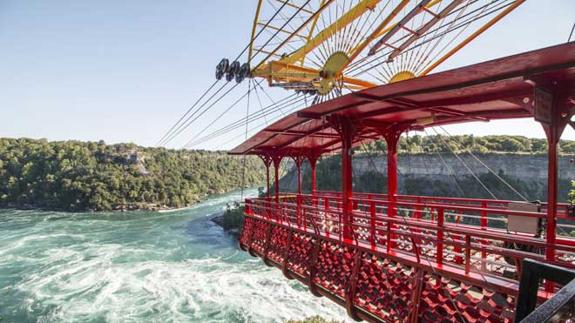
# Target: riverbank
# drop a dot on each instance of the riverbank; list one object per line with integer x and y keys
{"x": 132, "y": 207}
{"x": 118, "y": 208}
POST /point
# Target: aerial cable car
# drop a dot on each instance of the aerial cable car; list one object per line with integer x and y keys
{"x": 328, "y": 48}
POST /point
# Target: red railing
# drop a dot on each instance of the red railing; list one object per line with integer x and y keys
{"x": 449, "y": 238}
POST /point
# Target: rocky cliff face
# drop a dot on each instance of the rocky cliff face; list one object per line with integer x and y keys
{"x": 447, "y": 175}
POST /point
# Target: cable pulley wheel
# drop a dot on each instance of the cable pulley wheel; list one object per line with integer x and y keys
{"x": 222, "y": 68}
{"x": 243, "y": 72}
{"x": 233, "y": 70}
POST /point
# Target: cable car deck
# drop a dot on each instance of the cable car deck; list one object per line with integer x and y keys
{"x": 436, "y": 256}
{"x": 407, "y": 258}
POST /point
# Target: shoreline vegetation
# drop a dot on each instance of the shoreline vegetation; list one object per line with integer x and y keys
{"x": 231, "y": 220}
{"x": 77, "y": 176}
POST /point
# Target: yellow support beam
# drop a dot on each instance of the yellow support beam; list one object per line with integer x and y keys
{"x": 311, "y": 29}
{"x": 403, "y": 22}
{"x": 282, "y": 72}
{"x": 471, "y": 37}
{"x": 376, "y": 32}
{"x": 280, "y": 30}
{"x": 350, "y": 16}
{"x": 382, "y": 30}
{"x": 429, "y": 6}
{"x": 256, "y": 18}
{"x": 287, "y": 3}
{"x": 423, "y": 29}
{"x": 287, "y": 39}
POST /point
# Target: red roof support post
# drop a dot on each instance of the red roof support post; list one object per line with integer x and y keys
{"x": 552, "y": 111}
{"x": 277, "y": 158}
{"x": 347, "y": 130}
{"x": 267, "y": 162}
{"x": 312, "y": 159}
{"x": 391, "y": 136}
{"x": 298, "y": 160}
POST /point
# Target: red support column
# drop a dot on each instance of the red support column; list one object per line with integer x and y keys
{"x": 484, "y": 223}
{"x": 553, "y": 133}
{"x": 267, "y": 162}
{"x": 391, "y": 136}
{"x": 277, "y": 160}
{"x": 298, "y": 160}
{"x": 346, "y": 130}
{"x": 268, "y": 180}
{"x": 552, "y": 174}
{"x": 551, "y": 109}
{"x": 299, "y": 179}
{"x": 300, "y": 215}
{"x": 439, "y": 245}
{"x": 313, "y": 179}
{"x": 312, "y": 159}
{"x": 392, "y": 139}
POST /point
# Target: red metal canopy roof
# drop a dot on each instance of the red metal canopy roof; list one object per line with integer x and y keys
{"x": 499, "y": 89}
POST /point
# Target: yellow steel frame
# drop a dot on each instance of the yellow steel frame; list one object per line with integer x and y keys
{"x": 329, "y": 31}
{"x": 311, "y": 29}
{"x": 283, "y": 72}
{"x": 256, "y": 18}
{"x": 471, "y": 37}
{"x": 359, "y": 48}
{"x": 291, "y": 68}
{"x": 384, "y": 31}
{"x": 317, "y": 13}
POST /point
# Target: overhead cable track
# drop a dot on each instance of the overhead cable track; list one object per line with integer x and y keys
{"x": 193, "y": 117}
{"x": 164, "y": 139}
{"x": 238, "y": 123}
{"x": 255, "y": 116}
{"x": 220, "y": 115}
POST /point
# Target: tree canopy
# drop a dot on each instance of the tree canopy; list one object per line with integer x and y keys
{"x": 80, "y": 176}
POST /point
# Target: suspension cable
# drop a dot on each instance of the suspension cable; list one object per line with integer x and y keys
{"x": 179, "y": 129}
{"x": 259, "y": 126}
{"x": 465, "y": 165}
{"x": 244, "y": 156}
{"x": 220, "y": 115}
{"x": 362, "y": 62}
{"x": 164, "y": 140}
{"x": 369, "y": 60}
{"x": 254, "y": 116}
{"x": 185, "y": 114}
{"x": 468, "y": 150}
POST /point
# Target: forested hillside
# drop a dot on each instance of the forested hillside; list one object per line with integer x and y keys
{"x": 80, "y": 176}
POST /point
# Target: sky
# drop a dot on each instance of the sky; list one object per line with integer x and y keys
{"x": 125, "y": 71}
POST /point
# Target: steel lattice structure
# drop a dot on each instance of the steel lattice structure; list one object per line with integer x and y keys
{"x": 329, "y": 47}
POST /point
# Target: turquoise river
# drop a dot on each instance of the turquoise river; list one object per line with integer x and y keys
{"x": 140, "y": 267}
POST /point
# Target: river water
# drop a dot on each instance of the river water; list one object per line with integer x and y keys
{"x": 140, "y": 267}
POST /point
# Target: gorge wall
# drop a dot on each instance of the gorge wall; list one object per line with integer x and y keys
{"x": 445, "y": 175}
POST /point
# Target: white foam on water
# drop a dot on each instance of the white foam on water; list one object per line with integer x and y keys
{"x": 197, "y": 290}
